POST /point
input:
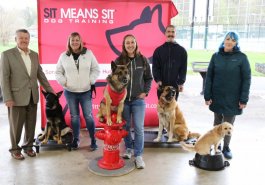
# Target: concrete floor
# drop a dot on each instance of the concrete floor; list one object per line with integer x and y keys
{"x": 167, "y": 166}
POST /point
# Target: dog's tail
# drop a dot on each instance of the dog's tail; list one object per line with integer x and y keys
{"x": 194, "y": 135}
{"x": 187, "y": 147}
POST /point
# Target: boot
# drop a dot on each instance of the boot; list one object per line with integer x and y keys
{"x": 227, "y": 152}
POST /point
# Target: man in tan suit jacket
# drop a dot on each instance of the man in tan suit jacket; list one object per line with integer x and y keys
{"x": 20, "y": 70}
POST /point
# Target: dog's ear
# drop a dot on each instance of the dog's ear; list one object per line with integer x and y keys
{"x": 160, "y": 90}
{"x": 113, "y": 66}
{"x": 59, "y": 94}
{"x": 220, "y": 129}
{"x": 44, "y": 93}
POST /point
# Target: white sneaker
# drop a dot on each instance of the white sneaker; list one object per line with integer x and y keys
{"x": 127, "y": 154}
{"x": 139, "y": 162}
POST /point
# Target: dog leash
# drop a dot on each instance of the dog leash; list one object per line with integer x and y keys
{"x": 93, "y": 89}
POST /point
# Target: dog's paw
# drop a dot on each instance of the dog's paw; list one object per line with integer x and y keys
{"x": 44, "y": 142}
{"x": 183, "y": 143}
{"x": 170, "y": 140}
{"x": 119, "y": 120}
{"x": 59, "y": 142}
{"x": 101, "y": 120}
{"x": 176, "y": 140}
{"x": 158, "y": 139}
{"x": 218, "y": 151}
{"x": 41, "y": 137}
{"x": 109, "y": 122}
{"x": 55, "y": 137}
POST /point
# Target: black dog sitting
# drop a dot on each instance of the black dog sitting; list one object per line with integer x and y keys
{"x": 55, "y": 118}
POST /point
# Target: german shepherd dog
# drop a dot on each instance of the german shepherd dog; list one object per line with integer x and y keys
{"x": 54, "y": 116}
{"x": 171, "y": 118}
{"x": 114, "y": 93}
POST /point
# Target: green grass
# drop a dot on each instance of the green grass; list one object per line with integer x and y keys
{"x": 205, "y": 56}
{"x": 193, "y": 56}
{"x": 255, "y": 57}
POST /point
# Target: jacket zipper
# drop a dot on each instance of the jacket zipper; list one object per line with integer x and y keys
{"x": 169, "y": 63}
{"x": 79, "y": 85}
{"x": 132, "y": 62}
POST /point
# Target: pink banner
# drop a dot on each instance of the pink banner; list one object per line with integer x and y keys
{"x": 102, "y": 25}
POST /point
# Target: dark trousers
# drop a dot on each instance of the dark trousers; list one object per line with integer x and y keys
{"x": 20, "y": 116}
{"x": 220, "y": 118}
{"x": 203, "y": 75}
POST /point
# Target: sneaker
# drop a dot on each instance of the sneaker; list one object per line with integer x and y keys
{"x": 93, "y": 147}
{"x": 127, "y": 154}
{"x": 75, "y": 144}
{"x": 227, "y": 152}
{"x": 139, "y": 162}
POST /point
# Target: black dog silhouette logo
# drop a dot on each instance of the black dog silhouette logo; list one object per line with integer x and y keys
{"x": 146, "y": 29}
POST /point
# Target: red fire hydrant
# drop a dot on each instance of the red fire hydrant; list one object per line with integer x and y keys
{"x": 112, "y": 136}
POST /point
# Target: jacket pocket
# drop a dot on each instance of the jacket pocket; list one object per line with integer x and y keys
{"x": 14, "y": 89}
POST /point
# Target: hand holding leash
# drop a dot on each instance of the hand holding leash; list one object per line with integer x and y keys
{"x": 10, "y": 103}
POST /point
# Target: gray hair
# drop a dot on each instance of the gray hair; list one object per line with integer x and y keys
{"x": 22, "y": 31}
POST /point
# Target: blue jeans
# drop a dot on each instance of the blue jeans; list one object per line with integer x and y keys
{"x": 134, "y": 112}
{"x": 84, "y": 99}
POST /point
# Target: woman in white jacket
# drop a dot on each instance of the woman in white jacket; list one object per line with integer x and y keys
{"x": 77, "y": 69}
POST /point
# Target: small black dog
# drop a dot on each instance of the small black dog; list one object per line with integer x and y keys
{"x": 55, "y": 118}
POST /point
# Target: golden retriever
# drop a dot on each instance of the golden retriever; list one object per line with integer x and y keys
{"x": 171, "y": 118}
{"x": 212, "y": 137}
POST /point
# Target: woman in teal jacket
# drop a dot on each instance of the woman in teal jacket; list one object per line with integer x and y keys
{"x": 227, "y": 84}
